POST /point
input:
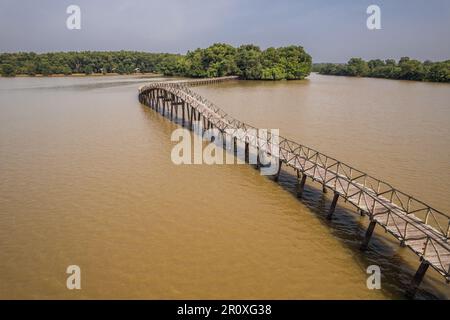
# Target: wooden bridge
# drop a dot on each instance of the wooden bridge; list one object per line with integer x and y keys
{"x": 415, "y": 224}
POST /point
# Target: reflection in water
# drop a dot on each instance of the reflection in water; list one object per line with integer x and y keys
{"x": 87, "y": 179}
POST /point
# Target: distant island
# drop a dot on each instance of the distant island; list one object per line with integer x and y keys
{"x": 405, "y": 69}
{"x": 220, "y": 59}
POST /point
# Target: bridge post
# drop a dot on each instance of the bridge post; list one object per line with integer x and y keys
{"x": 224, "y": 140}
{"x": 194, "y": 114}
{"x": 333, "y": 205}
{"x": 277, "y": 175}
{"x": 368, "y": 235}
{"x": 418, "y": 277}
{"x": 166, "y": 104}
{"x": 301, "y": 186}
{"x": 152, "y": 99}
{"x": 182, "y": 106}
{"x": 247, "y": 152}
{"x": 258, "y": 161}
{"x": 163, "y": 104}
{"x": 161, "y": 101}
{"x": 195, "y": 118}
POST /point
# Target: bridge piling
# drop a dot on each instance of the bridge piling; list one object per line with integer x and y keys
{"x": 333, "y": 205}
{"x": 247, "y": 153}
{"x": 417, "y": 280}
{"x": 166, "y": 104}
{"x": 369, "y": 232}
{"x": 277, "y": 175}
{"x": 160, "y": 102}
{"x": 182, "y": 106}
{"x": 301, "y": 186}
{"x": 258, "y": 160}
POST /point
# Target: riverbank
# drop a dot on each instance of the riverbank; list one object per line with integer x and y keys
{"x": 405, "y": 69}
{"x": 83, "y": 75}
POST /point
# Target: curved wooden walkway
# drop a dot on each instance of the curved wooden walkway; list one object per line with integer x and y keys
{"x": 415, "y": 224}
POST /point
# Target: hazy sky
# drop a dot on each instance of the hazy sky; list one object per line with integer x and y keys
{"x": 330, "y": 30}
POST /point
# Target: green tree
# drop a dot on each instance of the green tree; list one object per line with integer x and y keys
{"x": 373, "y": 64}
{"x": 44, "y": 68}
{"x": 439, "y": 72}
{"x": 88, "y": 69}
{"x": 390, "y": 62}
{"x": 275, "y": 72}
{"x": 248, "y": 61}
{"x": 410, "y": 69}
{"x": 8, "y": 70}
{"x": 357, "y": 67}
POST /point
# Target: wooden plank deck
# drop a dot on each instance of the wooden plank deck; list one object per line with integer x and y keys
{"x": 427, "y": 236}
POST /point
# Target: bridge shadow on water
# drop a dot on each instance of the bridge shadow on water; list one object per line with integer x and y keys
{"x": 397, "y": 264}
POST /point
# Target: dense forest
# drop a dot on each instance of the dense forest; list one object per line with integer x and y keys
{"x": 246, "y": 61}
{"x": 405, "y": 69}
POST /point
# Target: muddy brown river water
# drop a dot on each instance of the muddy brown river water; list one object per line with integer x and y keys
{"x": 86, "y": 178}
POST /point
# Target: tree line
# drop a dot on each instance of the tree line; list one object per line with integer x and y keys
{"x": 87, "y": 62}
{"x": 404, "y": 69}
{"x": 246, "y": 61}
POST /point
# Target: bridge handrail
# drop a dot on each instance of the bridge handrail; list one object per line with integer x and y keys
{"x": 380, "y": 187}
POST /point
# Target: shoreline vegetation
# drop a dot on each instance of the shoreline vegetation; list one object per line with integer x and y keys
{"x": 404, "y": 69}
{"x": 220, "y": 59}
{"x": 83, "y": 75}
